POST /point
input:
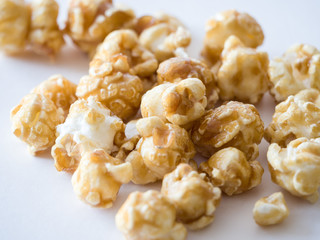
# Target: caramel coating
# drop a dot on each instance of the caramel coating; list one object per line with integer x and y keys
{"x": 34, "y": 121}
{"x": 233, "y": 124}
{"x": 194, "y": 197}
{"x": 230, "y": 170}
{"x": 225, "y": 24}
{"x": 297, "y": 69}
{"x": 297, "y": 167}
{"x": 149, "y": 216}
{"x": 298, "y": 116}
{"x": 99, "y": 177}
{"x": 243, "y": 74}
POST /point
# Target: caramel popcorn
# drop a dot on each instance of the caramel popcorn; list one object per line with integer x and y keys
{"x": 243, "y": 74}
{"x": 99, "y": 177}
{"x": 230, "y": 170}
{"x": 297, "y": 167}
{"x": 270, "y": 210}
{"x": 194, "y": 197}
{"x": 298, "y": 116}
{"x": 180, "y": 68}
{"x": 14, "y": 25}
{"x": 180, "y": 103}
{"x": 297, "y": 69}
{"x": 34, "y": 121}
{"x": 89, "y": 126}
{"x": 233, "y": 124}
{"x": 149, "y": 216}
{"x": 225, "y": 24}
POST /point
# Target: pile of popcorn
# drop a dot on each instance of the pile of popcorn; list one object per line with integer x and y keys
{"x": 146, "y": 108}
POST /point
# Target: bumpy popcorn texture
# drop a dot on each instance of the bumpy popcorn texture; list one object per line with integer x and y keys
{"x": 296, "y": 168}
{"x": 270, "y": 210}
{"x": 193, "y": 196}
{"x": 230, "y": 170}
{"x": 149, "y": 215}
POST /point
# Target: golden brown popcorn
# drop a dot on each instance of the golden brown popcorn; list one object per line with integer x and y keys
{"x": 243, "y": 74}
{"x": 297, "y": 69}
{"x": 270, "y": 210}
{"x": 297, "y": 167}
{"x": 58, "y": 89}
{"x": 179, "y": 103}
{"x": 14, "y": 25}
{"x": 151, "y": 216}
{"x": 225, "y": 24}
{"x": 99, "y": 177}
{"x": 230, "y": 170}
{"x": 233, "y": 124}
{"x": 180, "y": 68}
{"x": 298, "y": 116}
{"x": 89, "y": 126}
{"x": 34, "y": 121}
{"x": 194, "y": 197}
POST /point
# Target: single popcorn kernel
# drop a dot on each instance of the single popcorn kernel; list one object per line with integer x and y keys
{"x": 298, "y": 116}
{"x": 99, "y": 177}
{"x": 243, "y": 74}
{"x": 225, "y": 24}
{"x": 233, "y": 124}
{"x": 34, "y": 121}
{"x": 14, "y": 25}
{"x": 89, "y": 126}
{"x": 297, "y": 69}
{"x": 180, "y": 103}
{"x": 230, "y": 170}
{"x": 297, "y": 167}
{"x": 180, "y": 68}
{"x": 149, "y": 216}
{"x": 194, "y": 197}
{"x": 270, "y": 210}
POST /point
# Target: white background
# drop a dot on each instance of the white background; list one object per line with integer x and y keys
{"x": 37, "y": 202}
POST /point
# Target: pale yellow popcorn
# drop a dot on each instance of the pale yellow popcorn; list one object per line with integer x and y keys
{"x": 194, "y": 197}
{"x": 151, "y": 216}
{"x": 243, "y": 74}
{"x": 270, "y": 210}
{"x": 14, "y": 25}
{"x": 297, "y": 69}
{"x": 58, "y": 89}
{"x": 89, "y": 126}
{"x": 34, "y": 121}
{"x": 230, "y": 170}
{"x": 225, "y": 24}
{"x": 297, "y": 167}
{"x": 99, "y": 177}
{"x": 233, "y": 124}
{"x": 298, "y": 116}
{"x": 179, "y": 103}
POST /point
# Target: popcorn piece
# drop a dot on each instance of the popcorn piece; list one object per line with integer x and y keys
{"x": 233, "y": 124}
{"x": 89, "y": 126}
{"x": 230, "y": 170}
{"x": 34, "y": 121}
{"x": 243, "y": 74}
{"x": 99, "y": 177}
{"x": 180, "y": 103}
{"x": 270, "y": 210}
{"x": 149, "y": 216}
{"x": 14, "y": 25}
{"x": 180, "y": 68}
{"x": 225, "y": 24}
{"x": 297, "y": 167}
{"x": 298, "y": 116}
{"x": 297, "y": 69}
{"x": 194, "y": 197}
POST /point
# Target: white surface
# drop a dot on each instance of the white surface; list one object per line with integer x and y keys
{"x": 37, "y": 202}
